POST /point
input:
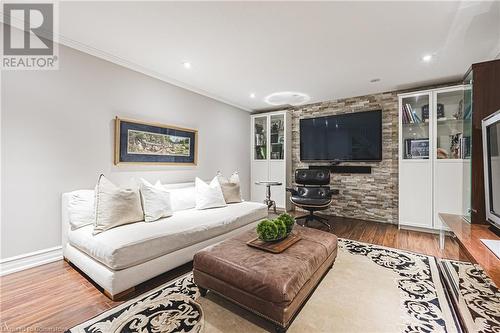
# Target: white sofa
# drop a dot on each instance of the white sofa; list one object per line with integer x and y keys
{"x": 121, "y": 258}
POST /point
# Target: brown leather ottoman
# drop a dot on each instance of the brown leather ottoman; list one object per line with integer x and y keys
{"x": 273, "y": 286}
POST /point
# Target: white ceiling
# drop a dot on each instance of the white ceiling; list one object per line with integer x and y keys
{"x": 327, "y": 50}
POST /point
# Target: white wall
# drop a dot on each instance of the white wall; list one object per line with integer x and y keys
{"x": 57, "y": 136}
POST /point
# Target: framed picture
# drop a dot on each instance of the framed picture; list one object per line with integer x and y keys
{"x": 151, "y": 143}
{"x": 417, "y": 148}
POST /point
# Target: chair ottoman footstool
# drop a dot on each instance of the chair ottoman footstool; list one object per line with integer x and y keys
{"x": 273, "y": 286}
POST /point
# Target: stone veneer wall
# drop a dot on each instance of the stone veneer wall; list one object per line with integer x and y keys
{"x": 364, "y": 196}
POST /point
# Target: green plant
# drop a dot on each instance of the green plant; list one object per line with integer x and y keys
{"x": 281, "y": 228}
{"x": 288, "y": 220}
{"x": 267, "y": 230}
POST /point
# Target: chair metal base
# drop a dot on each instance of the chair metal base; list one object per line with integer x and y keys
{"x": 311, "y": 217}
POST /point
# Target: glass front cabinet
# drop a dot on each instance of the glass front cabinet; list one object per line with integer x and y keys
{"x": 271, "y": 155}
{"x": 434, "y": 153}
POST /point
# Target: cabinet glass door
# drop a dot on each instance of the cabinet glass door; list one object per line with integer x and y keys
{"x": 277, "y": 137}
{"x": 416, "y": 117}
{"x": 260, "y": 138}
{"x": 467, "y": 175}
{"x": 452, "y": 133}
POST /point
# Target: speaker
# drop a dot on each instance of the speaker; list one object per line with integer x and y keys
{"x": 362, "y": 169}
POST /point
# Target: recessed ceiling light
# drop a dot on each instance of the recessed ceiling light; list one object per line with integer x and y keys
{"x": 287, "y": 97}
{"x": 252, "y": 95}
{"x": 186, "y": 64}
{"x": 427, "y": 58}
{"x": 375, "y": 80}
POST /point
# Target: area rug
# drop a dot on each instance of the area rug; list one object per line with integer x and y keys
{"x": 169, "y": 308}
{"x": 369, "y": 289}
{"x": 476, "y": 297}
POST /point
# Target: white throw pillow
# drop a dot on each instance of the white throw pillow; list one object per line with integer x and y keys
{"x": 208, "y": 195}
{"x": 181, "y": 198}
{"x": 81, "y": 208}
{"x": 115, "y": 206}
{"x": 155, "y": 201}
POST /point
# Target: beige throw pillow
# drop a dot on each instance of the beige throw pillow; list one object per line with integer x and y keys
{"x": 115, "y": 206}
{"x": 230, "y": 187}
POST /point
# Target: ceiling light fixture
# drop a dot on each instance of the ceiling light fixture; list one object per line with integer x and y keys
{"x": 186, "y": 64}
{"x": 427, "y": 58}
{"x": 252, "y": 95}
{"x": 287, "y": 97}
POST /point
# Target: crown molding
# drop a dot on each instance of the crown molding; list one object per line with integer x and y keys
{"x": 140, "y": 69}
{"x": 74, "y": 44}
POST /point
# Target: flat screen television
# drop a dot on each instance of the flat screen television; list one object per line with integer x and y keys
{"x": 491, "y": 156}
{"x": 345, "y": 137}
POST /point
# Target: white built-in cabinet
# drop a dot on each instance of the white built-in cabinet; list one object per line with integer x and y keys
{"x": 434, "y": 156}
{"x": 271, "y": 138}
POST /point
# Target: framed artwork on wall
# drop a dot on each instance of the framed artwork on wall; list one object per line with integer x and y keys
{"x": 139, "y": 142}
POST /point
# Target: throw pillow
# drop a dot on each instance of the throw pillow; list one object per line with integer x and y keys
{"x": 81, "y": 208}
{"x": 208, "y": 195}
{"x": 155, "y": 201}
{"x": 181, "y": 198}
{"x": 230, "y": 187}
{"x": 115, "y": 206}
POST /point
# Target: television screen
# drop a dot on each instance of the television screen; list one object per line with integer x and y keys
{"x": 345, "y": 137}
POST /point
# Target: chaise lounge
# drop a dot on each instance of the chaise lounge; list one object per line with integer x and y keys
{"x": 125, "y": 256}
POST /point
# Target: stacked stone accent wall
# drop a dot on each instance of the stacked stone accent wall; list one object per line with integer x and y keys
{"x": 363, "y": 196}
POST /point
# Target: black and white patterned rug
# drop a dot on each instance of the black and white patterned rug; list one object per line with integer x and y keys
{"x": 475, "y": 296}
{"x": 170, "y": 308}
{"x": 370, "y": 288}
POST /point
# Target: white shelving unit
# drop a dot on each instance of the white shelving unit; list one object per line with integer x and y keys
{"x": 434, "y": 156}
{"x": 271, "y": 138}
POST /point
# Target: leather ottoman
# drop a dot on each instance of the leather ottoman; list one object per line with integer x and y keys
{"x": 273, "y": 286}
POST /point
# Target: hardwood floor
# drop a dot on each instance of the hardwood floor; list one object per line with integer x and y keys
{"x": 56, "y": 296}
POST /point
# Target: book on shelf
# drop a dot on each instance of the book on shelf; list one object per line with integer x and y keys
{"x": 409, "y": 115}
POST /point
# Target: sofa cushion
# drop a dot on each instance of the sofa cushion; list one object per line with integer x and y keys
{"x": 81, "y": 208}
{"x": 209, "y": 195}
{"x": 115, "y": 206}
{"x": 182, "y": 195}
{"x": 231, "y": 188}
{"x": 133, "y": 244}
{"x": 155, "y": 201}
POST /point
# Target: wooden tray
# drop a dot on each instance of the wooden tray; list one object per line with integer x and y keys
{"x": 274, "y": 247}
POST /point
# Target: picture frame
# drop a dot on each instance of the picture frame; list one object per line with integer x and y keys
{"x": 139, "y": 142}
{"x": 417, "y": 148}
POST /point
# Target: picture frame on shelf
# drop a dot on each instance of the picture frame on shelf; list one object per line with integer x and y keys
{"x": 417, "y": 148}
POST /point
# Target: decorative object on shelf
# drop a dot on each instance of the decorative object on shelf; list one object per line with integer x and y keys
{"x": 276, "y": 229}
{"x": 152, "y": 143}
{"x": 417, "y": 148}
{"x": 425, "y": 112}
{"x": 455, "y": 145}
{"x": 442, "y": 153}
{"x": 440, "y": 110}
{"x": 460, "y": 111}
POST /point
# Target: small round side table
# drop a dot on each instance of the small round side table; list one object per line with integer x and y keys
{"x": 269, "y": 202}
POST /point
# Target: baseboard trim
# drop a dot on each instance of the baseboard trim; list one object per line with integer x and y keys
{"x": 30, "y": 260}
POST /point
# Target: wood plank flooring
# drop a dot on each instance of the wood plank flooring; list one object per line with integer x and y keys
{"x": 56, "y": 296}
